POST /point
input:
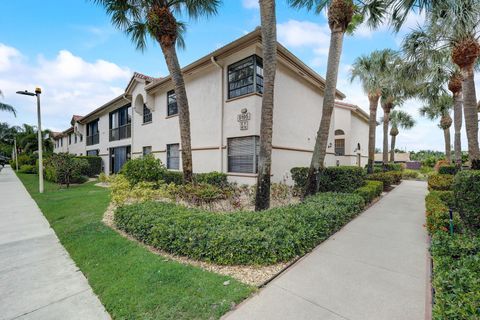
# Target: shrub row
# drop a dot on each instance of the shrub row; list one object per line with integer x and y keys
{"x": 28, "y": 168}
{"x": 466, "y": 188}
{"x": 447, "y": 170}
{"x": 387, "y": 178}
{"x": 94, "y": 167}
{"x": 410, "y": 174}
{"x": 437, "y": 205}
{"x": 440, "y": 182}
{"x": 259, "y": 238}
{"x": 332, "y": 179}
{"x": 64, "y": 168}
{"x": 387, "y": 167}
{"x": 370, "y": 191}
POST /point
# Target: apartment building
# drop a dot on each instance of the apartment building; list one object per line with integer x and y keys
{"x": 224, "y": 89}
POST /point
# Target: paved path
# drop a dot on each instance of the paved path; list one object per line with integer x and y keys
{"x": 374, "y": 268}
{"x": 38, "y": 279}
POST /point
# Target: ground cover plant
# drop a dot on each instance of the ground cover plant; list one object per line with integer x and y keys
{"x": 131, "y": 282}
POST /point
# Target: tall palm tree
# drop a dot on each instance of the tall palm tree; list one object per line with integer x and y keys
{"x": 371, "y": 71}
{"x": 269, "y": 41}
{"x": 438, "y": 107}
{"x": 7, "y": 107}
{"x": 343, "y": 15}
{"x": 156, "y": 19}
{"x": 398, "y": 119}
{"x": 27, "y": 139}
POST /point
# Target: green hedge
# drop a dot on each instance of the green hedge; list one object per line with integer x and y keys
{"x": 370, "y": 191}
{"x": 437, "y": 205}
{"x": 440, "y": 182}
{"x": 214, "y": 178}
{"x": 332, "y": 179}
{"x": 466, "y": 190}
{"x": 259, "y": 238}
{"x": 28, "y": 168}
{"x": 448, "y": 170}
{"x": 387, "y": 167}
{"x": 94, "y": 167}
{"x": 456, "y": 276}
{"x": 387, "y": 178}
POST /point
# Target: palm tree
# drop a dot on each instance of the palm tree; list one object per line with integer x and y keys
{"x": 398, "y": 119}
{"x": 7, "y": 107}
{"x": 269, "y": 41}
{"x": 343, "y": 15}
{"x": 439, "y": 107}
{"x": 454, "y": 24}
{"x": 156, "y": 19}
{"x": 371, "y": 71}
{"x": 27, "y": 139}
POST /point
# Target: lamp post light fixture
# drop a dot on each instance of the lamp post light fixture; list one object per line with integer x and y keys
{"x": 37, "y": 94}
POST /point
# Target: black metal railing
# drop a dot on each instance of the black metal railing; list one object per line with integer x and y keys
{"x": 93, "y": 139}
{"x": 122, "y": 132}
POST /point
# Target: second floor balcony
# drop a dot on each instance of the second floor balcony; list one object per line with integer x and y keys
{"x": 93, "y": 139}
{"x": 121, "y": 132}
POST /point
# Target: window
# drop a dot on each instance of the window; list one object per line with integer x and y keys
{"x": 81, "y": 137}
{"x": 92, "y": 153}
{"x": 339, "y": 132}
{"x": 61, "y": 142}
{"x": 93, "y": 136}
{"x": 340, "y": 147}
{"x": 147, "y": 150}
{"x": 245, "y": 77}
{"x": 147, "y": 114}
{"x": 173, "y": 156}
{"x": 243, "y": 154}
{"x": 172, "y": 108}
{"x": 75, "y": 137}
{"x": 120, "y": 123}
{"x": 70, "y": 138}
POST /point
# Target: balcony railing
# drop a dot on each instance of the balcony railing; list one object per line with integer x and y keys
{"x": 122, "y": 132}
{"x": 93, "y": 139}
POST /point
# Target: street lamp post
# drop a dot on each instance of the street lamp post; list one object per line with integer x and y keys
{"x": 37, "y": 93}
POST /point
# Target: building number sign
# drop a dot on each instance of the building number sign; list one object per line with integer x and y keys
{"x": 243, "y": 119}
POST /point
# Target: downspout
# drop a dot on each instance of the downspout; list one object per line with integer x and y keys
{"x": 222, "y": 109}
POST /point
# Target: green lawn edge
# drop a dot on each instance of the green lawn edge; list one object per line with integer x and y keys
{"x": 131, "y": 282}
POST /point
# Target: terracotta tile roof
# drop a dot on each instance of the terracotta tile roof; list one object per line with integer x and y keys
{"x": 143, "y": 76}
{"x": 77, "y": 117}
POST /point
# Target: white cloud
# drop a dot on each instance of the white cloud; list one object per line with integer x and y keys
{"x": 296, "y": 33}
{"x": 70, "y": 85}
{"x": 250, "y": 4}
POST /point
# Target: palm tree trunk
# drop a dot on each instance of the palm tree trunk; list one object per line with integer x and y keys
{"x": 171, "y": 59}
{"x": 471, "y": 116}
{"x": 269, "y": 41}
{"x": 372, "y": 128}
{"x": 386, "y": 120}
{"x": 319, "y": 152}
{"x": 448, "y": 146}
{"x": 392, "y": 149}
{"x": 457, "y": 122}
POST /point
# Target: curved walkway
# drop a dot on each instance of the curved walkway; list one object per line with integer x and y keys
{"x": 374, "y": 268}
{"x": 38, "y": 279}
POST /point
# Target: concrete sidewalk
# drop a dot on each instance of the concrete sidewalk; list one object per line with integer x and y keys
{"x": 38, "y": 279}
{"x": 374, "y": 268}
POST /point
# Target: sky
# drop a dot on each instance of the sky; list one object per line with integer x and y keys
{"x": 71, "y": 50}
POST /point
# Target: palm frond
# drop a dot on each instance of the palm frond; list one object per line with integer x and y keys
{"x": 8, "y": 108}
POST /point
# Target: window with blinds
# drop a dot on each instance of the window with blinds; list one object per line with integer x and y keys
{"x": 243, "y": 154}
{"x": 173, "y": 156}
{"x": 340, "y": 147}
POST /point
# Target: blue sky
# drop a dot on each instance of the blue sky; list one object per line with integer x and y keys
{"x": 70, "y": 49}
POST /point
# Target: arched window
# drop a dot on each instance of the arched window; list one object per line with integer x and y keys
{"x": 339, "y": 132}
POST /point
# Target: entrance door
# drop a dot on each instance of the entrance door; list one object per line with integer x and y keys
{"x": 118, "y": 157}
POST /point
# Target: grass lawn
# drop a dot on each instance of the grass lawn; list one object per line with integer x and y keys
{"x": 132, "y": 283}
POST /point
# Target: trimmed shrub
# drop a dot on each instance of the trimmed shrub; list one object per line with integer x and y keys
{"x": 94, "y": 167}
{"x": 175, "y": 177}
{"x": 201, "y": 193}
{"x": 396, "y": 176}
{"x": 387, "y": 167}
{"x": 146, "y": 169}
{"x": 214, "y": 178}
{"x": 253, "y": 238}
{"x": 370, "y": 191}
{"x": 299, "y": 177}
{"x": 440, "y": 182}
{"x": 466, "y": 190}
{"x": 25, "y": 158}
{"x": 410, "y": 174}
{"x": 27, "y": 168}
{"x": 385, "y": 178}
{"x": 341, "y": 179}
{"x": 64, "y": 168}
{"x": 437, "y": 212}
{"x": 447, "y": 170}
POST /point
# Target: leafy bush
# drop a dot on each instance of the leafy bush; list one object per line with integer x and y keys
{"x": 447, "y": 170}
{"x": 27, "y": 168}
{"x": 341, "y": 179}
{"x": 437, "y": 212}
{"x": 396, "y": 175}
{"x": 94, "y": 167}
{"x": 26, "y": 159}
{"x": 64, "y": 168}
{"x": 410, "y": 174}
{"x": 299, "y": 177}
{"x": 370, "y": 191}
{"x": 384, "y": 177}
{"x": 466, "y": 190}
{"x": 175, "y": 177}
{"x": 201, "y": 193}
{"x": 440, "y": 182}
{"x": 456, "y": 276}
{"x": 258, "y": 238}
{"x": 217, "y": 179}
{"x": 387, "y": 167}
{"x": 146, "y": 169}
{"x": 103, "y": 177}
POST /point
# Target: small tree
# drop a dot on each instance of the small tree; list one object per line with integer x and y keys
{"x": 67, "y": 168}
